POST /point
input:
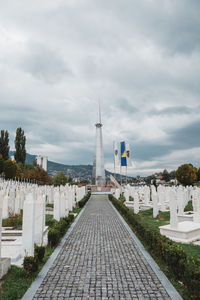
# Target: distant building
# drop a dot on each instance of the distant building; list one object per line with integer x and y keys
{"x": 42, "y": 161}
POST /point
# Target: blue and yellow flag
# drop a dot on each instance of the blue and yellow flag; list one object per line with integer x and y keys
{"x": 123, "y": 154}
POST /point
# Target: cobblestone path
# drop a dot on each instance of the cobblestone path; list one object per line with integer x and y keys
{"x": 100, "y": 260}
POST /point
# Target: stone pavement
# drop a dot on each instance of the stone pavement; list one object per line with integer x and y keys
{"x": 100, "y": 260}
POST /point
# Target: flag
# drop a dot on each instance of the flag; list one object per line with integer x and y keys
{"x": 116, "y": 154}
{"x": 129, "y": 162}
{"x": 123, "y": 154}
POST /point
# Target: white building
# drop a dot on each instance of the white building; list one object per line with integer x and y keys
{"x": 42, "y": 161}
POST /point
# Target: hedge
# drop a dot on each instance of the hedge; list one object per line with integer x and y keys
{"x": 58, "y": 229}
{"x": 83, "y": 201}
{"x": 184, "y": 267}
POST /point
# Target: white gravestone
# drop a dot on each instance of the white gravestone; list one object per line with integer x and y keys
{"x": 136, "y": 203}
{"x": 39, "y": 219}
{"x": 28, "y": 225}
{"x": 196, "y": 207}
{"x": 173, "y": 210}
{"x": 155, "y": 204}
{"x": 57, "y": 205}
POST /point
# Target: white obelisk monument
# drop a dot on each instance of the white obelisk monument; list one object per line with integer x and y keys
{"x": 98, "y": 173}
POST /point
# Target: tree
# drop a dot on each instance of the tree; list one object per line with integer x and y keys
{"x": 172, "y": 175}
{"x": 165, "y": 175}
{"x": 20, "y": 141}
{"x": 60, "y": 179}
{"x": 38, "y": 174}
{"x": 1, "y": 164}
{"x": 19, "y": 172}
{"x": 198, "y": 174}
{"x": 186, "y": 174}
{"x": 4, "y": 144}
{"x": 9, "y": 169}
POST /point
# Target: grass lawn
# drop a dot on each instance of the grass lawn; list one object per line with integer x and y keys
{"x": 15, "y": 283}
{"x": 163, "y": 219}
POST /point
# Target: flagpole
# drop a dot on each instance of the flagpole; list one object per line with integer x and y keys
{"x": 126, "y": 174}
{"x": 114, "y": 158}
{"x": 121, "y": 174}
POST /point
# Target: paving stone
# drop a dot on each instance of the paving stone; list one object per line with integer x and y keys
{"x": 100, "y": 260}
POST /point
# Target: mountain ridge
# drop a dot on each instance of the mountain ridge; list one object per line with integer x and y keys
{"x": 81, "y": 172}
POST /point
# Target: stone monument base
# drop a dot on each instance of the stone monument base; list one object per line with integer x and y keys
{"x": 187, "y": 216}
{"x": 4, "y": 266}
{"x": 129, "y": 204}
{"x": 146, "y": 206}
{"x": 186, "y": 232}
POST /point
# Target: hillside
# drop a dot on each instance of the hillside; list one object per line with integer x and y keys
{"x": 82, "y": 172}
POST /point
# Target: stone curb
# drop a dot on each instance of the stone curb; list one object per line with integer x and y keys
{"x": 30, "y": 293}
{"x": 161, "y": 276}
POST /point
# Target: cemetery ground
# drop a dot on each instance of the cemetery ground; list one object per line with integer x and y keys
{"x": 180, "y": 262}
{"x": 18, "y": 279}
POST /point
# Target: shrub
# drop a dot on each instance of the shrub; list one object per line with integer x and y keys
{"x": 50, "y": 221}
{"x": 39, "y": 252}
{"x": 83, "y": 201}
{"x": 30, "y": 264}
{"x": 67, "y": 221}
{"x": 13, "y": 221}
{"x": 53, "y": 237}
{"x": 61, "y": 227}
{"x": 71, "y": 218}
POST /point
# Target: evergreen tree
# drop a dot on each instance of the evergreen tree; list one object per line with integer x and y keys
{"x": 4, "y": 147}
{"x": 1, "y": 164}
{"x": 10, "y": 169}
{"x": 20, "y": 141}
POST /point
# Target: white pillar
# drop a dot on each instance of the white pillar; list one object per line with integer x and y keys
{"x": 173, "y": 209}
{"x": 5, "y": 213}
{"x": 126, "y": 194}
{"x": 56, "y": 210}
{"x": 181, "y": 202}
{"x": 1, "y": 208}
{"x": 136, "y": 203}
{"x": 39, "y": 219}
{"x": 11, "y": 201}
{"x": 28, "y": 225}
{"x": 196, "y": 203}
{"x": 155, "y": 204}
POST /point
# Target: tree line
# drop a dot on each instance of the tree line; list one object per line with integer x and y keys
{"x": 17, "y": 168}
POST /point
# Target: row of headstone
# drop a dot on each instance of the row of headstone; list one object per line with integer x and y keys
{"x": 32, "y": 200}
{"x": 164, "y": 198}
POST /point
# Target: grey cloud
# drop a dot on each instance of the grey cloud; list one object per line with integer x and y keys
{"x": 125, "y": 105}
{"x": 45, "y": 64}
{"x": 175, "y": 110}
{"x": 186, "y": 137}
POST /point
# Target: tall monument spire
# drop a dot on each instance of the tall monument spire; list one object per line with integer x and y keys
{"x": 98, "y": 173}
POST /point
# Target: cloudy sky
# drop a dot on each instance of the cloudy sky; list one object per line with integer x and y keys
{"x": 141, "y": 58}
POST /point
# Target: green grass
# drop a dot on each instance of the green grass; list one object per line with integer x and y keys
{"x": 76, "y": 210}
{"x": 50, "y": 205}
{"x": 15, "y": 283}
{"x": 162, "y": 218}
{"x": 122, "y": 199}
{"x": 189, "y": 206}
